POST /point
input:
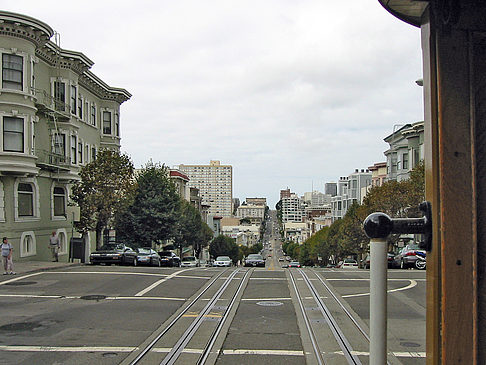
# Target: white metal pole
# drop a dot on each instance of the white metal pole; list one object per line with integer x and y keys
{"x": 378, "y": 301}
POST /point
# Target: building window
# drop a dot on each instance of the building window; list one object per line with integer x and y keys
{"x": 117, "y": 125}
{"x": 73, "y": 150}
{"x": 80, "y": 108}
{"x": 62, "y": 242}
{"x": 73, "y": 99}
{"x": 59, "y": 143}
{"x": 93, "y": 115}
{"x": 59, "y": 197}
{"x": 93, "y": 153}
{"x": 12, "y": 71}
{"x": 405, "y": 161}
{"x": 60, "y": 95}
{"x": 86, "y": 153}
{"x": 106, "y": 122}
{"x": 27, "y": 244}
{"x": 25, "y": 200}
{"x": 13, "y": 134}
{"x": 80, "y": 152}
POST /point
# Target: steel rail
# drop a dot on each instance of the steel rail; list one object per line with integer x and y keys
{"x": 336, "y": 330}
{"x": 176, "y": 350}
{"x": 171, "y": 324}
{"x": 313, "y": 339}
{"x": 214, "y": 336}
{"x": 360, "y": 329}
{"x": 350, "y": 316}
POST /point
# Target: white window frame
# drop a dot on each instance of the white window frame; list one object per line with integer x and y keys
{"x": 111, "y": 113}
{"x": 73, "y": 152}
{"x": 63, "y": 241}
{"x": 2, "y": 202}
{"x": 66, "y": 198}
{"x": 26, "y": 235}
{"x": 73, "y": 86}
{"x": 66, "y": 93}
{"x": 24, "y": 69}
{"x": 35, "y": 200}
{"x": 26, "y": 128}
{"x": 92, "y": 117}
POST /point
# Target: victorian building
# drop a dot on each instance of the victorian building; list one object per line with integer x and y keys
{"x": 55, "y": 115}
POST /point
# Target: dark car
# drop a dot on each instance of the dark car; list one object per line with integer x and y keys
{"x": 169, "y": 258}
{"x": 366, "y": 261}
{"x": 407, "y": 256}
{"x": 114, "y": 253}
{"x": 255, "y": 260}
{"x": 147, "y": 256}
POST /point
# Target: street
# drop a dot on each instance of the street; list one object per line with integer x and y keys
{"x": 113, "y": 314}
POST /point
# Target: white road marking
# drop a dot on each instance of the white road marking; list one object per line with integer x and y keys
{"x": 412, "y": 284}
{"x": 20, "y": 278}
{"x": 264, "y": 299}
{"x": 79, "y": 297}
{"x": 157, "y": 283}
{"x": 168, "y": 349}
{"x": 126, "y": 273}
{"x": 361, "y": 279}
{"x": 278, "y": 279}
{"x": 66, "y": 348}
{"x": 263, "y": 352}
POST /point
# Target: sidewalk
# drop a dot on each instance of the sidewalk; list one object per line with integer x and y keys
{"x": 23, "y": 267}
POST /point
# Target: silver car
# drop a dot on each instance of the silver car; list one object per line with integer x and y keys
{"x": 222, "y": 261}
{"x": 189, "y": 261}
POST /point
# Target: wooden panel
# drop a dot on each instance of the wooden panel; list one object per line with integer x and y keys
{"x": 457, "y": 236}
{"x": 432, "y": 186}
{"x": 479, "y": 94}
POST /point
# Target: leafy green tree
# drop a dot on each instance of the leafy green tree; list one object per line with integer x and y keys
{"x": 192, "y": 230}
{"x": 155, "y": 211}
{"x": 224, "y": 246}
{"x": 106, "y": 186}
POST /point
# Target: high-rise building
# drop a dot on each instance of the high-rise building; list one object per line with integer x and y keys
{"x": 285, "y": 193}
{"x": 215, "y": 184}
{"x": 330, "y": 188}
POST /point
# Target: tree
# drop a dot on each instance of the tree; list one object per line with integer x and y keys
{"x": 155, "y": 211}
{"x": 192, "y": 230}
{"x": 224, "y": 246}
{"x": 106, "y": 186}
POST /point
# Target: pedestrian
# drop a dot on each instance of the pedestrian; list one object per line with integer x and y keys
{"x": 54, "y": 245}
{"x": 7, "y": 249}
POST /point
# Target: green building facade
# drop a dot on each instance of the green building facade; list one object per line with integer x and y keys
{"x": 55, "y": 115}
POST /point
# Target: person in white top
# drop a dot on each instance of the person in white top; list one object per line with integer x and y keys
{"x": 54, "y": 245}
{"x": 7, "y": 249}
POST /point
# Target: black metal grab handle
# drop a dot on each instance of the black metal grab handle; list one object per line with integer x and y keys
{"x": 380, "y": 225}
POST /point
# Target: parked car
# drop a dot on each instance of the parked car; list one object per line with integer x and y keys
{"x": 147, "y": 256}
{"x": 169, "y": 258}
{"x": 407, "y": 256}
{"x": 255, "y": 260}
{"x": 295, "y": 264}
{"x": 348, "y": 264}
{"x": 222, "y": 261}
{"x": 189, "y": 261}
{"x": 366, "y": 262}
{"x": 114, "y": 253}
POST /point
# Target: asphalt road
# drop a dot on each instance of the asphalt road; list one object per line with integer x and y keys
{"x": 110, "y": 314}
{"x": 101, "y": 314}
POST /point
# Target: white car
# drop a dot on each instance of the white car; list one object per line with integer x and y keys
{"x": 222, "y": 261}
{"x": 348, "y": 264}
{"x": 189, "y": 261}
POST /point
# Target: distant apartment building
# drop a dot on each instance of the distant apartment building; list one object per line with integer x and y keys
{"x": 351, "y": 189}
{"x": 215, "y": 184}
{"x": 292, "y": 208}
{"x": 317, "y": 199}
{"x": 378, "y": 173}
{"x": 296, "y": 232}
{"x": 55, "y": 115}
{"x": 180, "y": 181}
{"x": 257, "y": 201}
{"x": 330, "y": 188}
{"x": 405, "y": 152}
{"x": 285, "y": 193}
{"x": 256, "y": 213}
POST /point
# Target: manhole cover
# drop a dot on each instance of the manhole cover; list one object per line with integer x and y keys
{"x": 19, "y": 283}
{"x": 409, "y": 344}
{"x": 93, "y": 297}
{"x": 269, "y": 304}
{"x": 110, "y": 354}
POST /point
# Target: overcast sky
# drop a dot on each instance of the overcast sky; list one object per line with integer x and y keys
{"x": 292, "y": 93}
